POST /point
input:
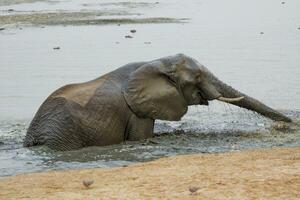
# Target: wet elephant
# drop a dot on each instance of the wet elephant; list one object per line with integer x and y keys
{"x": 123, "y": 104}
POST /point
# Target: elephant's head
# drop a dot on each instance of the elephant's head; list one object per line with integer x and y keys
{"x": 164, "y": 88}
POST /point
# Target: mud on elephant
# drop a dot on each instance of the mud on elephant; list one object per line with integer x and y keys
{"x": 123, "y": 104}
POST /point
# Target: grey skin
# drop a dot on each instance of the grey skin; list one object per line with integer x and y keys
{"x": 123, "y": 104}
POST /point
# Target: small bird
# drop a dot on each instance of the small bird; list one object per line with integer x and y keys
{"x": 133, "y": 31}
{"x": 87, "y": 183}
{"x": 193, "y": 189}
{"x": 128, "y": 36}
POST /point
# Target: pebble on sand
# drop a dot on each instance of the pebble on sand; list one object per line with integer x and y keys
{"x": 133, "y": 31}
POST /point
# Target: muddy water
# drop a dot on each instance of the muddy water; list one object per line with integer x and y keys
{"x": 253, "y": 50}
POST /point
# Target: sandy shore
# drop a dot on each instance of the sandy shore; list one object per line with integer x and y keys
{"x": 257, "y": 174}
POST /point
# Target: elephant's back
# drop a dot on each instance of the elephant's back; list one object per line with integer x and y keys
{"x": 80, "y": 93}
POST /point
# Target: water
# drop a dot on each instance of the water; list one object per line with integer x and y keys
{"x": 253, "y": 50}
{"x": 171, "y": 139}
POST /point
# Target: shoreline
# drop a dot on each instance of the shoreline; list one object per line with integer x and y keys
{"x": 263, "y": 173}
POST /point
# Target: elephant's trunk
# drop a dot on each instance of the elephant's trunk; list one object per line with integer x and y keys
{"x": 248, "y": 102}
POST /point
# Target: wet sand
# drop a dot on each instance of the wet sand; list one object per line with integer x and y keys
{"x": 256, "y": 174}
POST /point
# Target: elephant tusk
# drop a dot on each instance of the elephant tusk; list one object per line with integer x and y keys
{"x": 230, "y": 100}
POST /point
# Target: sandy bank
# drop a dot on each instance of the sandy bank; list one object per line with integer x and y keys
{"x": 258, "y": 174}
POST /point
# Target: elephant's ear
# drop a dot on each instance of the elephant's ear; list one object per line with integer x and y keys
{"x": 152, "y": 92}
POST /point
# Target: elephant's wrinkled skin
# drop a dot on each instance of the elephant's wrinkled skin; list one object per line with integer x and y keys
{"x": 123, "y": 104}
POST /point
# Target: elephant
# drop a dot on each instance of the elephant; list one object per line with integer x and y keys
{"x": 123, "y": 104}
